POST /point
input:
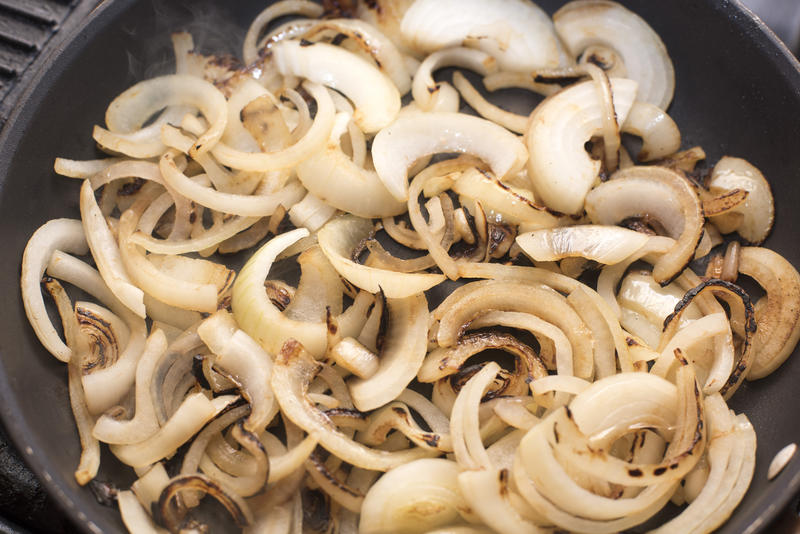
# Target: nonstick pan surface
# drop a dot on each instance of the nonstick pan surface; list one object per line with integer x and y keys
{"x": 737, "y": 93}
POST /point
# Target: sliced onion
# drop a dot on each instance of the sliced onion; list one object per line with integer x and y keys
{"x": 277, "y": 10}
{"x": 370, "y": 39}
{"x": 487, "y": 493}
{"x": 518, "y": 33}
{"x": 511, "y": 121}
{"x": 193, "y": 413}
{"x": 64, "y": 234}
{"x": 561, "y": 170}
{"x": 659, "y": 133}
{"x": 339, "y": 238}
{"x": 603, "y": 244}
{"x": 425, "y": 89}
{"x": 584, "y": 23}
{"x": 130, "y": 110}
{"x": 413, "y": 498}
{"x": 376, "y": 99}
{"x": 758, "y": 210}
{"x": 661, "y": 194}
{"x": 778, "y": 319}
{"x": 411, "y": 137}
{"x": 293, "y": 372}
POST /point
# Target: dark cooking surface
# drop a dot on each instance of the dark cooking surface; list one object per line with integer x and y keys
{"x": 26, "y": 31}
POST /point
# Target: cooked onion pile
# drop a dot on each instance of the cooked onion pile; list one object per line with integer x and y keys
{"x": 440, "y": 365}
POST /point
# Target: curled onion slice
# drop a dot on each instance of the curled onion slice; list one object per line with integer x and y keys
{"x": 411, "y": 137}
{"x": 518, "y": 33}
{"x": 64, "y": 234}
{"x": 561, "y": 170}
{"x": 293, "y": 372}
{"x": 585, "y": 23}
{"x": 753, "y": 218}
{"x": 659, "y": 133}
{"x": 661, "y": 194}
{"x": 603, "y": 244}
{"x": 425, "y": 89}
{"x": 376, "y": 99}
{"x": 339, "y": 238}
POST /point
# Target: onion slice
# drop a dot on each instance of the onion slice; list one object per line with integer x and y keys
{"x": 753, "y": 218}
{"x": 412, "y": 137}
{"x": 584, "y": 23}
{"x": 561, "y": 170}
{"x": 603, "y": 244}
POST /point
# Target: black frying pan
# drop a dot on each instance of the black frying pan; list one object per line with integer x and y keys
{"x": 738, "y": 93}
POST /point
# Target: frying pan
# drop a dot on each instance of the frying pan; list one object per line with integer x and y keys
{"x": 738, "y": 93}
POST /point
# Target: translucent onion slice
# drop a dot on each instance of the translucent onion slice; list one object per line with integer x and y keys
{"x": 131, "y": 109}
{"x": 244, "y": 205}
{"x": 584, "y": 23}
{"x": 561, "y": 170}
{"x": 661, "y": 194}
{"x": 340, "y": 237}
{"x": 106, "y": 253}
{"x": 337, "y": 180}
{"x": 758, "y": 210}
{"x": 413, "y": 498}
{"x": 375, "y": 97}
{"x": 414, "y": 136}
{"x": 659, "y": 133}
{"x": 603, "y": 244}
{"x": 144, "y": 422}
{"x": 370, "y": 39}
{"x": 293, "y": 373}
{"x": 64, "y": 234}
{"x": 194, "y": 412}
{"x": 424, "y": 89}
{"x": 518, "y": 33}
{"x": 277, "y": 10}
{"x": 402, "y": 352}
{"x": 511, "y": 121}
{"x": 134, "y": 515}
{"x": 501, "y": 201}
{"x": 778, "y": 319}
{"x": 487, "y": 493}
{"x": 206, "y": 240}
{"x": 243, "y": 361}
{"x": 311, "y": 141}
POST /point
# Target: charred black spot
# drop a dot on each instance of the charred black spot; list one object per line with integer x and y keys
{"x": 104, "y": 492}
{"x": 635, "y": 472}
{"x": 431, "y": 439}
{"x": 555, "y": 433}
{"x": 192, "y": 216}
{"x": 433, "y": 89}
{"x": 131, "y": 188}
{"x": 631, "y": 342}
{"x": 305, "y": 42}
{"x": 399, "y": 411}
{"x": 658, "y": 471}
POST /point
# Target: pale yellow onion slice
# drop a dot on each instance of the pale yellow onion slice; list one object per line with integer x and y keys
{"x": 758, "y": 210}
{"x": 561, "y": 170}
{"x": 265, "y": 323}
{"x": 375, "y": 97}
{"x": 411, "y": 137}
{"x": 245, "y": 362}
{"x": 184, "y": 294}
{"x": 311, "y": 141}
{"x": 134, "y": 515}
{"x": 501, "y": 201}
{"x": 106, "y": 253}
{"x": 142, "y": 143}
{"x": 339, "y": 238}
{"x": 468, "y": 448}
{"x": 72, "y": 168}
{"x": 518, "y": 33}
{"x": 659, "y": 133}
{"x": 137, "y": 104}
{"x": 373, "y": 42}
{"x": 413, "y": 498}
{"x": 603, "y": 244}
{"x": 195, "y": 411}
{"x": 275, "y": 11}
{"x": 104, "y": 387}
{"x": 401, "y": 355}
{"x": 425, "y": 88}
{"x": 584, "y": 23}
{"x": 779, "y": 319}
{"x": 311, "y": 212}
{"x": 63, "y": 234}
{"x": 334, "y": 178}
{"x": 144, "y": 422}
{"x": 243, "y": 205}
{"x": 662, "y": 194}
{"x": 487, "y": 493}
{"x": 511, "y": 121}
{"x": 292, "y": 374}
{"x": 211, "y": 237}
